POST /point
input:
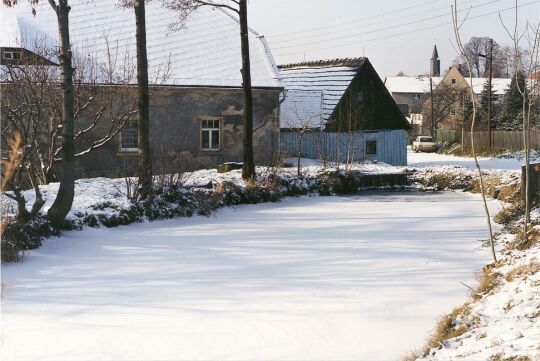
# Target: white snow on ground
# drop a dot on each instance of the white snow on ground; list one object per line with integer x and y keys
{"x": 512, "y": 161}
{"x": 342, "y": 278}
{"x": 507, "y": 319}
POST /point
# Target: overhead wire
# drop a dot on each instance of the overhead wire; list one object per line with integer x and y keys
{"x": 313, "y": 33}
{"x": 386, "y": 27}
{"x": 353, "y": 21}
{"x": 406, "y": 32}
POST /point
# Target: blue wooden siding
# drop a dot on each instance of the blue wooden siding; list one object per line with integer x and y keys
{"x": 348, "y": 147}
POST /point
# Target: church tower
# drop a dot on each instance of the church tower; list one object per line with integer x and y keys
{"x": 435, "y": 63}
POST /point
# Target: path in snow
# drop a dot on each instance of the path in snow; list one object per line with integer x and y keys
{"x": 357, "y": 278}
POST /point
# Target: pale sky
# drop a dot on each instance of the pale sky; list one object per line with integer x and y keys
{"x": 394, "y": 34}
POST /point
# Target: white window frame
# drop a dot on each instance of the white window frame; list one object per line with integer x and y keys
{"x": 11, "y": 55}
{"x": 210, "y": 130}
{"x": 133, "y": 150}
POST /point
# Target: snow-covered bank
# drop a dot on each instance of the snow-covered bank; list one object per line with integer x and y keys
{"x": 311, "y": 278}
{"x": 106, "y": 202}
{"x": 503, "y": 322}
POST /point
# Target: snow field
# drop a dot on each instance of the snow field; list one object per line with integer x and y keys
{"x": 342, "y": 278}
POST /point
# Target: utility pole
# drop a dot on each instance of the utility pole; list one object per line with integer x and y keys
{"x": 489, "y": 90}
{"x": 432, "y": 110}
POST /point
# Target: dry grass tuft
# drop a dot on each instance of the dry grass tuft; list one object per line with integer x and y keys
{"x": 500, "y": 357}
{"x": 510, "y": 214}
{"x": 533, "y": 238}
{"x": 450, "y": 326}
{"x": 523, "y": 271}
{"x": 411, "y": 356}
{"x": 487, "y": 282}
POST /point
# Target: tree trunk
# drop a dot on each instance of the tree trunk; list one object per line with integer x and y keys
{"x": 526, "y": 150}
{"x": 248, "y": 170}
{"x": 64, "y": 199}
{"x": 144, "y": 187}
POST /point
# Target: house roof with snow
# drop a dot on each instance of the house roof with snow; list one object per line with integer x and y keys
{"x": 314, "y": 89}
{"x": 410, "y": 84}
{"x": 205, "y": 52}
{"x": 420, "y": 84}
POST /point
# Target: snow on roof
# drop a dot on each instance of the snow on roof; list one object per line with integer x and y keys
{"x": 311, "y": 82}
{"x": 410, "y": 84}
{"x": 205, "y": 52}
{"x": 420, "y": 84}
{"x": 302, "y": 109}
{"x": 499, "y": 85}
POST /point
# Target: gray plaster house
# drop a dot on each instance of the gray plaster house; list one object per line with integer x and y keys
{"x": 196, "y": 96}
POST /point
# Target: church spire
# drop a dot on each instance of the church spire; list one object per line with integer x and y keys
{"x": 435, "y": 63}
{"x": 435, "y": 55}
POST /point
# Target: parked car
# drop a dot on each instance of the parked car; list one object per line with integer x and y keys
{"x": 424, "y": 144}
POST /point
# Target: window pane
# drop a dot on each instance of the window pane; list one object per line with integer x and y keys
{"x": 205, "y": 139}
{"x": 371, "y": 147}
{"x": 215, "y": 139}
{"x": 129, "y": 136}
{"x": 216, "y": 124}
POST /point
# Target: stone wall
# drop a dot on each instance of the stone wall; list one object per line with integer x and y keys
{"x": 175, "y": 130}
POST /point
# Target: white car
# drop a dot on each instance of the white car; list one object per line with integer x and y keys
{"x": 424, "y": 144}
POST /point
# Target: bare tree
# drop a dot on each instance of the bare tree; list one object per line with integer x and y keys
{"x": 184, "y": 8}
{"x": 475, "y": 50}
{"x": 302, "y": 124}
{"x": 448, "y": 102}
{"x": 32, "y": 110}
{"x": 144, "y": 185}
{"x": 462, "y": 51}
{"x": 64, "y": 199}
{"x": 529, "y": 91}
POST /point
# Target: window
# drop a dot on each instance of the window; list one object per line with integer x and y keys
{"x": 359, "y": 98}
{"x": 11, "y": 55}
{"x": 417, "y": 96}
{"x": 371, "y": 147}
{"x": 129, "y": 137}
{"x": 453, "y": 111}
{"x": 454, "y": 81}
{"x": 210, "y": 134}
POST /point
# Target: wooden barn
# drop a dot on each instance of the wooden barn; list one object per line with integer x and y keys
{"x": 343, "y": 111}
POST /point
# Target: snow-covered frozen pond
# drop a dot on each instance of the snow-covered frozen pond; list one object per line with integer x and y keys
{"x": 343, "y": 278}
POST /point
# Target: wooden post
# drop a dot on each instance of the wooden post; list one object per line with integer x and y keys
{"x": 534, "y": 181}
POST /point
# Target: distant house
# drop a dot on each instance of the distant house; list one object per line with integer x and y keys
{"x": 344, "y": 96}
{"x": 196, "y": 109}
{"x": 454, "y": 82}
{"x": 413, "y": 93}
{"x": 409, "y": 91}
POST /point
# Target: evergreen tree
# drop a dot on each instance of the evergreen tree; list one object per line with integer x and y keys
{"x": 484, "y": 103}
{"x": 510, "y": 116}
